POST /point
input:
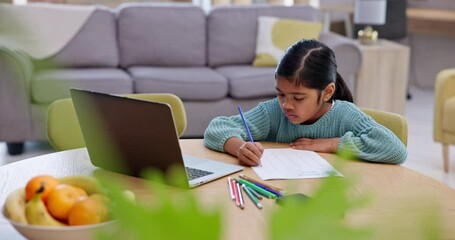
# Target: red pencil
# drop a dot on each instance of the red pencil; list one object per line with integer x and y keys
{"x": 231, "y": 191}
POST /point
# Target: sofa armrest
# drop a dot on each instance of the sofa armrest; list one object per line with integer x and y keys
{"x": 348, "y": 55}
{"x": 15, "y": 74}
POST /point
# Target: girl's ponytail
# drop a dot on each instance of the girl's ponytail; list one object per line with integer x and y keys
{"x": 342, "y": 91}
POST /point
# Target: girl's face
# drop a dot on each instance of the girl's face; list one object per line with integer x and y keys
{"x": 301, "y": 104}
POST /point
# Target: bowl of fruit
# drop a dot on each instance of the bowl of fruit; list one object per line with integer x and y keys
{"x": 72, "y": 207}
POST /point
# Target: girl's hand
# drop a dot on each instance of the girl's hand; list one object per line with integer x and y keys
{"x": 250, "y": 153}
{"x": 326, "y": 145}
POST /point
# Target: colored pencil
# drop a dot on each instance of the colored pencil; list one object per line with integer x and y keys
{"x": 236, "y": 193}
{"x": 246, "y": 127}
{"x": 240, "y": 196}
{"x": 244, "y": 123}
{"x": 231, "y": 193}
{"x": 261, "y": 191}
{"x": 268, "y": 189}
{"x": 256, "y": 194}
{"x": 252, "y": 197}
{"x": 276, "y": 189}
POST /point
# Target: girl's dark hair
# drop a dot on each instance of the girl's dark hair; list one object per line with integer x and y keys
{"x": 312, "y": 64}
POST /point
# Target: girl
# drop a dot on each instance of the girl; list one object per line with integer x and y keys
{"x": 313, "y": 111}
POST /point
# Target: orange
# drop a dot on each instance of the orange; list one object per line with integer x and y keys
{"x": 91, "y": 210}
{"x": 62, "y": 199}
{"x": 33, "y": 185}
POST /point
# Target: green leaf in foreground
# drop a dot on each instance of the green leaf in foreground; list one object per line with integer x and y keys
{"x": 174, "y": 214}
{"x": 321, "y": 217}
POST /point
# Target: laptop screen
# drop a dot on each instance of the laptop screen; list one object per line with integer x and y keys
{"x": 127, "y": 135}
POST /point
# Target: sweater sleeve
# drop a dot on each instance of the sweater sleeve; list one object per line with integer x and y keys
{"x": 221, "y": 128}
{"x": 373, "y": 142}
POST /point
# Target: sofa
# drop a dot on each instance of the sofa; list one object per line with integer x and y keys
{"x": 204, "y": 58}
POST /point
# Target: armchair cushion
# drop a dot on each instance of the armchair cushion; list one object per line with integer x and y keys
{"x": 275, "y": 35}
{"x": 448, "y": 116}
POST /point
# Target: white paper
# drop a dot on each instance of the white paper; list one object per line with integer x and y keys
{"x": 288, "y": 163}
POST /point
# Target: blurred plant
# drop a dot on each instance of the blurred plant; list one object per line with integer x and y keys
{"x": 321, "y": 216}
{"x": 174, "y": 214}
{"x": 347, "y": 153}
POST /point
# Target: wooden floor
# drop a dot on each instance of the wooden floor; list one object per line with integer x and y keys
{"x": 425, "y": 156}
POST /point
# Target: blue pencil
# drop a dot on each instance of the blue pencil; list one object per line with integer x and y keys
{"x": 246, "y": 125}
{"x": 267, "y": 189}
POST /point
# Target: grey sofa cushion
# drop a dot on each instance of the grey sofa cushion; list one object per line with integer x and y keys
{"x": 195, "y": 83}
{"x": 249, "y": 82}
{"x": 200, "y": 113}
{"x": 232, "y": 30}
{"x": 95, "y": 45}
{"x": 161, "y": 35}
{"x": 51, "y": 85}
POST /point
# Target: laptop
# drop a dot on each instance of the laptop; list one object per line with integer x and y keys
{"x": 127, "y": 135}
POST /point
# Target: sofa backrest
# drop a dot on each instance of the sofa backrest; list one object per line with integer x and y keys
{"x": 161, "y": 35}
{"x": 95, "y": 45}
{"x": 232, "y": 30}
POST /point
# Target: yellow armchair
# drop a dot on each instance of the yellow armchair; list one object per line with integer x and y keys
{"x": 394, "y": 122}
{"x": 64, "y": 132}
{"x": 444, "y": 112}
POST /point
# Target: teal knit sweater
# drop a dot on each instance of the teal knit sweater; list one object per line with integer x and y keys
{"x": 370, "y": 140}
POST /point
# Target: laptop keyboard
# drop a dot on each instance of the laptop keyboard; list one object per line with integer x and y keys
{"x": 194, "y": 173}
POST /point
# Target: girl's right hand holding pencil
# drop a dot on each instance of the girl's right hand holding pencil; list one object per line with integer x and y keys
{"x": 248, "y": 153}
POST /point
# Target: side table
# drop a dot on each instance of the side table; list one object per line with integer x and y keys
{"x": 383, "y": 76}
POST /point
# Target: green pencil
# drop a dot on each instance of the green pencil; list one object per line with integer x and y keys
{"x": 252, "y": 197}
{"x": 257, "y": 195}
{"x": 261, "y": 191}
